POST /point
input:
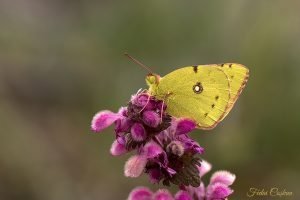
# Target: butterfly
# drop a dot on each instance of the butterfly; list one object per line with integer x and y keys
{"x": 203, "y": 93}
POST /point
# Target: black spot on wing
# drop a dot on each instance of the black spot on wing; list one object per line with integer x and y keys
{"x": 195, "y": 68}
{"x": 216, "y": 98}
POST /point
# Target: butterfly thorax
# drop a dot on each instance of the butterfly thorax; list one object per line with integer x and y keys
{"x": 152, "y": 81}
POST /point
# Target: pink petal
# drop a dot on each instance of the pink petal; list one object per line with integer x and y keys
{"x": 185, "y": 126}
{"x": 163, "y": 194}
{"x": 183, "y": 195}
{"x": 205, "y": 167}
{"x": 138, "y": 132}
{"x": 103, "y": 120}
{"x": 140, "y": 193}
{"x": 224, "y": 177}
{"x": 218, "y": 191}
{"x": 152, "y": 149}
{"x": 135, "y": 166}
{"x": 117, "y": 148}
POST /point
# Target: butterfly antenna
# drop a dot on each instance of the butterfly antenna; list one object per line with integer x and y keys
{"x": 139, "y": 63}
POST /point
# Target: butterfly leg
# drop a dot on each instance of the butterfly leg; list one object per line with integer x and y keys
{"x": 163, "y": 104}
{"x": 162, "y": 110}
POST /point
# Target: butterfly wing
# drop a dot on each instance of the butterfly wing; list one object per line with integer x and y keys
{"x": 201, "y": 93}
{"x": 238, "y": 76}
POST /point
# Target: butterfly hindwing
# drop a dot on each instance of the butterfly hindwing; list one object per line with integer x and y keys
{"x": 198, "y": 92}
{"x": 238, "y": 76}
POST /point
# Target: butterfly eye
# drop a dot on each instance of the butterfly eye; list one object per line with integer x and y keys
{"x": 197, "y": 88}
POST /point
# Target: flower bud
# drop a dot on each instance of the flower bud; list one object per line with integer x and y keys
{"x": 151, "y": 118}
{"x": 163, "y": 194}
{"x": 138, "y": 132}
{"x": 143, "y": 101}
{"x": 183, "y": 195}
{"x": 140, "y": 100}
{"x": 176, "y": 148}
{"x": 117, "y": 148}
{"x": 140, "y": 193}
{"x": 123, "y": 125}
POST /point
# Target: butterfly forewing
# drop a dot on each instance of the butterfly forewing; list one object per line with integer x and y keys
{"x": 201, "y": 93}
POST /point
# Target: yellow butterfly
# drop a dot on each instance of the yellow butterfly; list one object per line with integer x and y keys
{"x": 204, "y": 93}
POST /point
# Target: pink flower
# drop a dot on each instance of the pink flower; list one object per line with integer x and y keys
{"x": 103, "y": 120}
{"x": 217, "y": 189}
{"x": 135, "y": 166}
{"x": 162, "y": 195}
{"x": 163, "y": 149}
{"x": 143, "y": 193}
{"x": 140, "y": 193}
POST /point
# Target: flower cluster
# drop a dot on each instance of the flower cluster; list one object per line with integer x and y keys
{"x": 217, "y": 189}
{"x": 136, "y": 124}
{"x": 163, "y": 148}
{"x": 178, "y": 162}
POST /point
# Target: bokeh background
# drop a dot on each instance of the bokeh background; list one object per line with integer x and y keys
{"x": 62, "y": 61}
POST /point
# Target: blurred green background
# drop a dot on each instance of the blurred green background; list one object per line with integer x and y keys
{"x": 62, "y": 61}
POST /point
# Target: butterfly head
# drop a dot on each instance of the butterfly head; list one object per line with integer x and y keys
{"x": 152, "y": 81}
